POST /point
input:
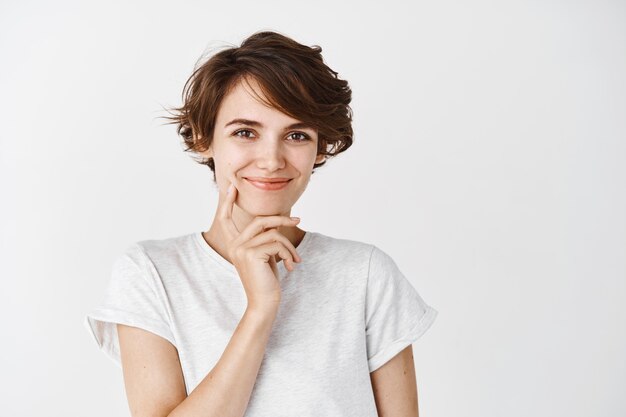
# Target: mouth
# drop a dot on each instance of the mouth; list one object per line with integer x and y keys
{"x": 269, "y": 184}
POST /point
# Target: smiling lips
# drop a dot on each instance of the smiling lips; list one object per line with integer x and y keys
{"x": 268, "y": 184}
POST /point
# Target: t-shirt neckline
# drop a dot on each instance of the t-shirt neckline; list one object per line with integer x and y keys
{"x": 302, "y": 249}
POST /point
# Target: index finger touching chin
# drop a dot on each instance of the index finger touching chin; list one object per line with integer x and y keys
{"x": 227, "y": 202}
{"x": 226, "y": 209}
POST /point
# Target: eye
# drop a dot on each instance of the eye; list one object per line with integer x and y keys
{"x": 246, "y": 131}
{"x": 303, "y": 136}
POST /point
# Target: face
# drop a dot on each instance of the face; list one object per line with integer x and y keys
{"x": 254, "y": 141}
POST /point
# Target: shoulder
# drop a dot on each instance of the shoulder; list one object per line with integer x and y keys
{"x": 377, "y": 264}
{"x": 331, "y": 244}
{"x": 144, "y": 252}
{"x": 324, "y": 241}
{"x": 332, "y": 247}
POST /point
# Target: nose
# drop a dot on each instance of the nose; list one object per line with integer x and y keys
{"x": 271, "y": 156}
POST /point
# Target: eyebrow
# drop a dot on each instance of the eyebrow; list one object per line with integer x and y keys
{"x": 298, "y": 125}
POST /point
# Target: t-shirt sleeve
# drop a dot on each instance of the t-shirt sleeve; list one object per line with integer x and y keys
{"x": 131, "y": 298}
{"x": 395, "y": 314}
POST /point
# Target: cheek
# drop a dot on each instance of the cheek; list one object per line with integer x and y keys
{"x": 230, "y": 161}
{"x": 309, "y": 160}
{"x": 302, "y": 154}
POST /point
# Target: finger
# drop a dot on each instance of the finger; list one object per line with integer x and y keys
{"x": 225, "y": 211}
{"x": 273, "y": 235}
{"x": 269, "y": 250}
{"x": 260, "y": 223}
{"x": 289, "y": 264}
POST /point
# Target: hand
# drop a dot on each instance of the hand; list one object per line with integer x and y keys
{"x": 252, "y": 251}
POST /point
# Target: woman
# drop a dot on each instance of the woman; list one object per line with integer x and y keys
{"x": 256, "y": 316}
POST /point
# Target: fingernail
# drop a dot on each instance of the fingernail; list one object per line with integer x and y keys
{"x": 295, "y": 218}
{"x": 230, "y": 186}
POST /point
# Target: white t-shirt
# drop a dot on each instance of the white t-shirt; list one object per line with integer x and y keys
{"x": 345, "y": 310}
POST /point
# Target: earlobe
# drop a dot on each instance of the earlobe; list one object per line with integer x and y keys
{"x": 320, "y": 158}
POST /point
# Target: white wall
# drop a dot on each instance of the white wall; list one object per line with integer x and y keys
{"x": 490, "y": 140}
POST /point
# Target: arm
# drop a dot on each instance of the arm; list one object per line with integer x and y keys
{"x": 154, "y": 380}
{"x": 395, "y": 388}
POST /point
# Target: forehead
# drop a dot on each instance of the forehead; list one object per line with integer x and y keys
{"x": 245, "y": 100}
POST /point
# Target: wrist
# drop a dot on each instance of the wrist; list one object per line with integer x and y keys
{"x": 262, "y": 311}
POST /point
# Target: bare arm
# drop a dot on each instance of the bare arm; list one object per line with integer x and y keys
{"x": 154, "y": 381}
{"x": 395, "y": 387}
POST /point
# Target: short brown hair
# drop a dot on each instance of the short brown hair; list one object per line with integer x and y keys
{"x": 294, "y": 79}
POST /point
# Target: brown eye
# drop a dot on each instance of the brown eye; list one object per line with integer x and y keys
{"x": 302, "y": 136}
{"x": 243, "y": 131}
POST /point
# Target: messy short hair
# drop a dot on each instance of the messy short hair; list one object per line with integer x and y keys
{"x": 294, "y": 79}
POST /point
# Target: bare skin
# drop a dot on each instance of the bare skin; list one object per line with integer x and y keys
{"x": 395, "y": 386}
{"x": 267, "y": 147}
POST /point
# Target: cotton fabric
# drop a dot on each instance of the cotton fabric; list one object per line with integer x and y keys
{"x": 345, "y": 311}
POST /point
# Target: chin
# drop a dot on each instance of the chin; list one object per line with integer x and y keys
{"x": 264, "y": 208}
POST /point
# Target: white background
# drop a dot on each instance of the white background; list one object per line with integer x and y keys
{"x": 490, "y": 140}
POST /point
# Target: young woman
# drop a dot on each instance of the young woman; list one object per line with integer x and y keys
{"x": 256, "y": 316}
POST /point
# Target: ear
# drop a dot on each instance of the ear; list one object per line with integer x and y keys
{"x": 320, "y": 158}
